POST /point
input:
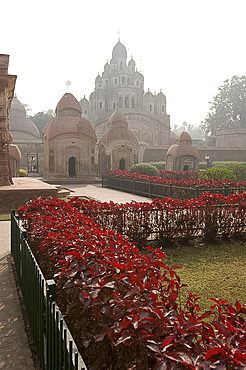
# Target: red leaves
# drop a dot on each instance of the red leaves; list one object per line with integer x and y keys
{"x": 115, "y": 297}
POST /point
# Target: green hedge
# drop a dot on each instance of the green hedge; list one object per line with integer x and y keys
{"x": 218, "y": 174}
{"x": 145, "y": 169}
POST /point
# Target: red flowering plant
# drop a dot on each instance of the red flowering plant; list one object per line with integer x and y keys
{"x": 209, "y": 216}
{"x": 180, "y": 186}
{"x": 179, "y": 175}
{"x": 122, "y": 305}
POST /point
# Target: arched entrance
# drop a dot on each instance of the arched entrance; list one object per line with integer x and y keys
{"x": 186, "y": 168}
{"x": 71, "y": 166}
{"x": 122, "y": 164}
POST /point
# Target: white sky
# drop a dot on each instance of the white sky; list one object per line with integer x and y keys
{"x": 187, "y": 48}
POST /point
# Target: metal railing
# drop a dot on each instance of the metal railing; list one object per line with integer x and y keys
{"x": 55, "y": 346}
{"x": 153, "y": 190}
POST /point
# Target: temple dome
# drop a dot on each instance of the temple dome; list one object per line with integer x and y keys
{"x": 68, "y": 101}
{"x": 118, "y": 131}
{"x": 183, "y": 147}
{"x": 119, "y": 51}
{"x": 68, "y": 120}
{"x": 22, "y": 128}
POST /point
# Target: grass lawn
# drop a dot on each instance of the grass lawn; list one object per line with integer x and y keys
{"x": 212, "y": 270}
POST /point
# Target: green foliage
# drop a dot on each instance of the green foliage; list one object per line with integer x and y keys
{"x": 193, "y": 131}
{"x": 228, "y": 108}
{"x": 145, "y": 169}
{"x": 159, "y": 165}
{"x": 41, "y": 118}
{"x": 237, "y": 168}
{"x": 22, "y": 173}
{"x": 218, "y": 174}
{"x": 239, "y": 171}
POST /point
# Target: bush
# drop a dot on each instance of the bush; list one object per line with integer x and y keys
{"x": 239, "y": 171}
{"x": 123, "y": 307}
{"x": 159, "y": 165}
{"x": 22, "y": 173}
{"x": 218, "y": 174}
{"x": 145, "y": 169}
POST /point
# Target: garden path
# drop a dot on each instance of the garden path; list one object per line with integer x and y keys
{"x": 15, "y": 352}
{"x": 97, "y": 192}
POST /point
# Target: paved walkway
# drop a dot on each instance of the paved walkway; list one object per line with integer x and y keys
{"x": 97, "y": 192}
{"x": 15, "y": 352}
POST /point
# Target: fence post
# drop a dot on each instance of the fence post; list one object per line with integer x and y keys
{"x": 226, "y": 190}
{"x": 51, "y": 287}
{"x": 197, "y": 192}
{"x": 171, "y": 190}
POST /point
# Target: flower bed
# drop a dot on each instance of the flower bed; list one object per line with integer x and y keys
{"x": 179, "y": 175}
{"x": 121, "y": 305}
{"x": 202, "y": 184}
{"x": 157, "y": 187}
{"x": 209, "y": 216}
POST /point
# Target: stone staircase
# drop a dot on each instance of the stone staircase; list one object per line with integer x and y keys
{"x": 62, "y": 193}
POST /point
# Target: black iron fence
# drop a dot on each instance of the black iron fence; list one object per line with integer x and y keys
{"x": 153, "y": 190}
{"x": 55, "y": 346}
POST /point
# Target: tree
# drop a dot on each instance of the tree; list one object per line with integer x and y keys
{"x": 193, "y": 131}
{"x": 41, "y": 118}
{"x": 228, "y": 108}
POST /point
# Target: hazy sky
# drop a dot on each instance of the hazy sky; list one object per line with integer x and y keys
{"x": 187, "y": 48}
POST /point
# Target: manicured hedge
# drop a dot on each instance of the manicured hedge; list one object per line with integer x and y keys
{"x": 122, "y": 306}
{"x": 209, "y": 216}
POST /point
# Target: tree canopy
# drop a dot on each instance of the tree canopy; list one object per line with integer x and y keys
{"x": 228, "y": 108}
{"x": 41, "y": 118}
{"x": 193, "y": 131}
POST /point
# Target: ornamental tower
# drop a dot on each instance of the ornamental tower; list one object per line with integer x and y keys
{"x": 7, "y": 86}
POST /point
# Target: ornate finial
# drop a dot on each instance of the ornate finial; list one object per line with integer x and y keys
{"x": 119, "y": 36}
{"x": 68, "y": 83}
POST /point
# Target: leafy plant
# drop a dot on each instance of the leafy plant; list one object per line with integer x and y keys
{"x": 145, "y": 169}
{"x": 121, "y": 305}
{"x": 22, "y": 173}
{"x": 218, "y": 174}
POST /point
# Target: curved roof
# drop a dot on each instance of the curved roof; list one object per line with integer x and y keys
{"x": 14, "y": 152}
{"x": 119, "y": 51}
{"x": 106, "y": 66}
{"x": 98, "y": 79}
{"x": 138, "y": 75}
{"x": 118, "y": 134}
{"x": 117, "y": 118}
{"x": 106, "y": 74}
{"x": 68, "y": 101}
{"x": 182, "y": 147}
{"x": 118, "y": 131}
{"x": 131, "y": 62}
{"x": 184, "y": 139}
{"x": 21, "y": 128}
{"x": 68, "y": 125}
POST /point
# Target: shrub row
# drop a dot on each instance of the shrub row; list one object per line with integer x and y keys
{"x": 179, "y": 175}
{"x": 201, "y": 184}
{"x": 209, "y": 216}
{"x": 121, "y": 305}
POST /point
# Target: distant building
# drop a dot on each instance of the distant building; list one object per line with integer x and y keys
{"x": 26, "y": 135}
{"x": 118, "y": 147}
{"x": 121, "y": 87}
{"x": 182, "y": 156}
{"x": 69, "y": 144}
